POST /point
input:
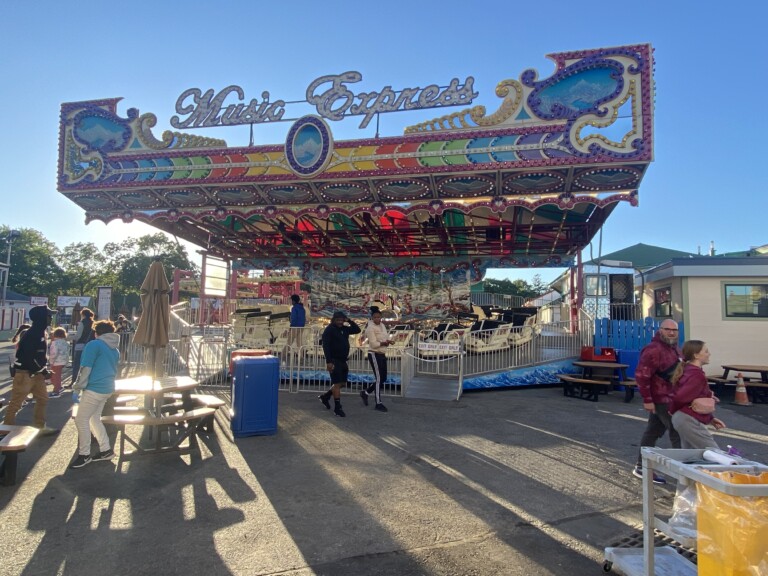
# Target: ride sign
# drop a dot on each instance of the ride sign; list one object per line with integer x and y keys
{"x": 333, "y": 102}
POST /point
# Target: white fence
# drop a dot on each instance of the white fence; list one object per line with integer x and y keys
{"x": 204, "y": 353}
{"x": 11, "y": 317}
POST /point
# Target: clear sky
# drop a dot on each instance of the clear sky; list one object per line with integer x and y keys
{"x": 705, "y": 184}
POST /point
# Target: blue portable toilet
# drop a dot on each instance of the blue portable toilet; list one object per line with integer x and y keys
{"x": 254, "y": 395}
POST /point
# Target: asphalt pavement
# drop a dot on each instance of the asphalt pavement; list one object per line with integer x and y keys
{"x": 502, "y": 482}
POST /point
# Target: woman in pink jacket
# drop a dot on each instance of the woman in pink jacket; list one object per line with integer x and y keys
{"x": 693, "y": 403}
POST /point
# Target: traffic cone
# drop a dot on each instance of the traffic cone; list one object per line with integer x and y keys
{"x": 741, "y": 398}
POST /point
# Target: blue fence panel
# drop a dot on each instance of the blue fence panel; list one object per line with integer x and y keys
{"x": 631, "y": 358}
{"x": 628, "y": 334}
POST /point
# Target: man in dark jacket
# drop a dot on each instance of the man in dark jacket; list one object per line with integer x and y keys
{"x": 653, "y": 375}
{"x": 336, "y": 350}
{"x": 31, "y": 369}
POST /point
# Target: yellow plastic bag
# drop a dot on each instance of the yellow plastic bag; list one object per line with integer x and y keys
{"x": 732, "y": 530}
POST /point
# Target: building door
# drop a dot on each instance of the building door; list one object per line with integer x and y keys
{"x": 622, "y": 297}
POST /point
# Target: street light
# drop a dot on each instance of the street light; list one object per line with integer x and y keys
{"x": 12, "y": 235}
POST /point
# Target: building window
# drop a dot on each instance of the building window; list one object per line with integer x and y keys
{"x": 662, "y": 298}
{"x": 596, "y": 285}
{"x": 746, "y": 300}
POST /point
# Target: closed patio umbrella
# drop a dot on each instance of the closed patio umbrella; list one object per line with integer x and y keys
{"x": 75, "y": 320}
{"x": 153, "y": 327}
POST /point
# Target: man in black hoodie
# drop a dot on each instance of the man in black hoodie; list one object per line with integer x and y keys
{"x": 336, "y": 350}
{"x": 31, "y": 369}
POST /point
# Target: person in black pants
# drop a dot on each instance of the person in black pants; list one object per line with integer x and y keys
{"x": 378, "y": 340}
{"x": 84, "y": 335}
{"x": 336, "y": 350}
{"x": 653, "y": 374}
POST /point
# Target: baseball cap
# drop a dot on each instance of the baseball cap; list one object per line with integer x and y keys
{"x": 338, "y": 314}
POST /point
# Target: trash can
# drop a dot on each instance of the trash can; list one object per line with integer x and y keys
{"x": 240, "y": 352}
{"x": 732, "y": 530}
{"x": 254, "y": 396}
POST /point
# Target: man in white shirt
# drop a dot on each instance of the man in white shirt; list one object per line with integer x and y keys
{"x": 378, "y": 340}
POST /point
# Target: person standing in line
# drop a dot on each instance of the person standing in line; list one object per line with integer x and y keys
{"x": 58, "y": 354}
{"x": 12, "y": 359}
{"x": 378, "y": 340}
{"x": 19, "y": 333}
{"x": 31, "y": 369}
{"x": 83, "y": 335}
{"x": 653, "y": 374}
{"x": 336, "y": 351}
{"x": 693, "y": 403}
{"x": 96, "y": 383}
{"x": 298, "y": 321}
{"x": 123, "y": 329}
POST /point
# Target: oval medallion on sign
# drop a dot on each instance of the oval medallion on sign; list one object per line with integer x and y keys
{"x": 308, "y": 146}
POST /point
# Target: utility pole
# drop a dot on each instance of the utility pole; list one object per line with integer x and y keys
{"x": 12, "y": 235}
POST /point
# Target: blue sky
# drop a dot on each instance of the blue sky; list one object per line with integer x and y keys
{"x": 705, "y": 184}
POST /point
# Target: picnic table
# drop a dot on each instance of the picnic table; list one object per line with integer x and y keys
{"x": 169, "y": 405}
{"x": 596, "y": 376}
{"x": 757, "y": 386}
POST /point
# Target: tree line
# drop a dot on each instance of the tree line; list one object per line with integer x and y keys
{"x": 518, "y": 287}
{"x": 40, "y": 268}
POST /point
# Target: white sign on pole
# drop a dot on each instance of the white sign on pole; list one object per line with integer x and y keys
{"x": 216, "y": 277}
{"x": 104, "y": 302}
{"x": 38, "y": 300}
{"x": 68, "y": 301}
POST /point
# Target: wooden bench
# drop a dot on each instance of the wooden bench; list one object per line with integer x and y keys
{"x": 187, "y": 424}
{"x": 629, "y": 389}
{"x": 198, "y": 401}
{"x": 195, "y": 401}
{"x": 757, "y": 391}
{"x": 720, "y": 383}
{"x": 13, "y": 439}
{"x": 587, "y": 388}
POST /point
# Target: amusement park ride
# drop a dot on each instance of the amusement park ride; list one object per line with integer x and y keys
{"x": 421, "y": 215}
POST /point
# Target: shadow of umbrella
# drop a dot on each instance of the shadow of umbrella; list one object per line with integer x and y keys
{"x": 152, "y": 330}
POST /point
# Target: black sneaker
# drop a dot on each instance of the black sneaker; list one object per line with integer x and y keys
{"x": 380, "y": 408}
{"x": 106, "y": 455}
{"x": 339, "y": 412}
{"x": 638, "y": 471}
{"x": 325, "y": 400}
{"x": 364, "y": 396}
{"x": 80, "y": 461}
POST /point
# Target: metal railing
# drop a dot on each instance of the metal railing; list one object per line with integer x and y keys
{"x": 501, "y": 349}
{"x": 204, "y": 353}
{"x": 505, "y": 301}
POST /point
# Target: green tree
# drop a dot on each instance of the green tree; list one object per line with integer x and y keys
{"x": 517, "y": 287}
{"x": 34, "y": 267}
{"x": 84, "y": 266}
{"x": 538, "y": 285}
{"x": 39, "y": 268}
{"x": 143, "y": 251}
